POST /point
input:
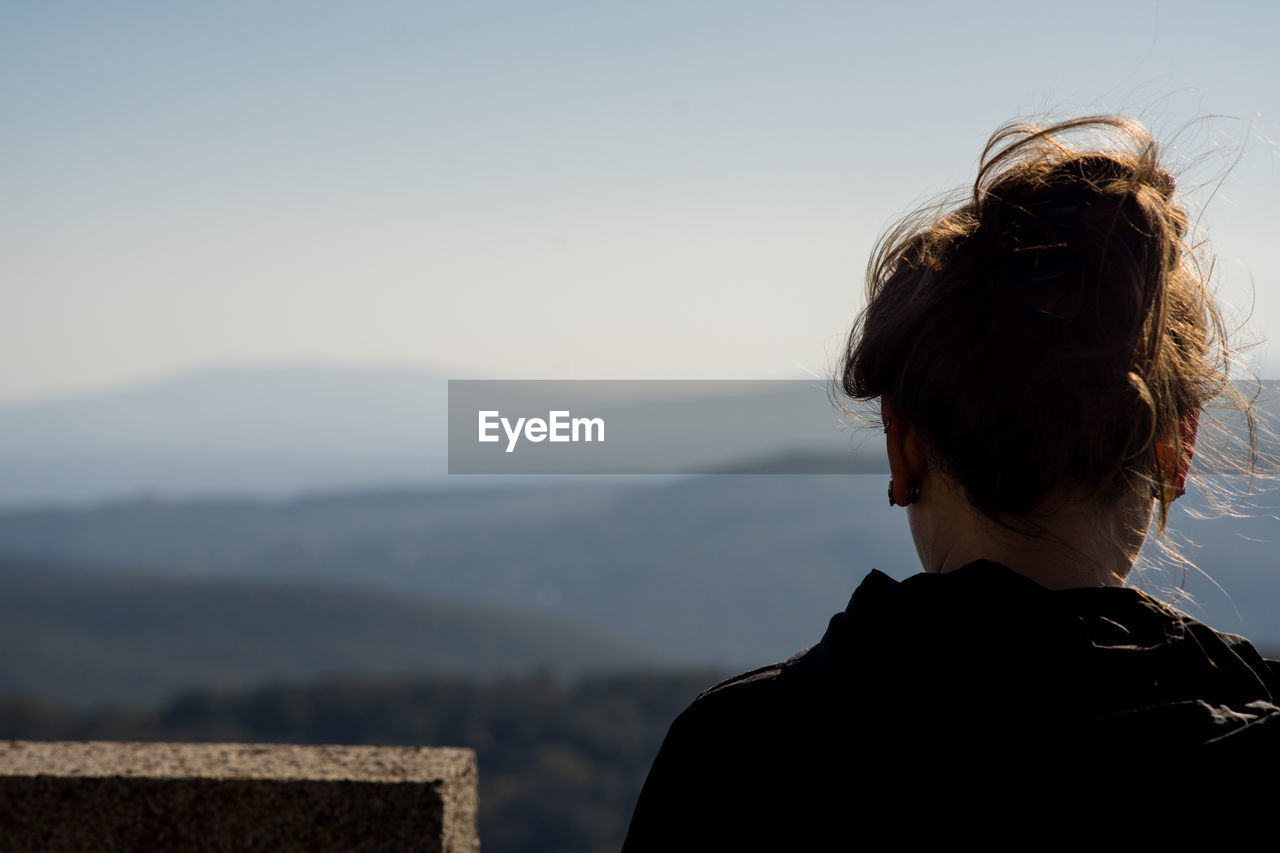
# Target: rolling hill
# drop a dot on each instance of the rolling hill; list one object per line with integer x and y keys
{"x": 93, "y": 637}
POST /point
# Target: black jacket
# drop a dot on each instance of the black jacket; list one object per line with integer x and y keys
{"x": 960, "y": 690}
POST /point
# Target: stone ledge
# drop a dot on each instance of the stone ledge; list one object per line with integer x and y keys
{"x": 224, "y": 797}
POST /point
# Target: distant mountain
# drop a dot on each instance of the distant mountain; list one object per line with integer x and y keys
{"x": 93, "y": 637}
{"x": 255, "y": 430}
{"x": 720, "y": 570}
{"x": 275, "y": 432}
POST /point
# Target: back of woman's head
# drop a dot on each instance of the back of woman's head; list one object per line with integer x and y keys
{"x": 1050, "y": 332}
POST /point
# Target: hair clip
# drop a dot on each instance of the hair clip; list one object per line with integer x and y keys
{"x": 1038, "y": 243}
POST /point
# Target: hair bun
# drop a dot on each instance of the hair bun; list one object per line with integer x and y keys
{"x": 1052, "y": 328}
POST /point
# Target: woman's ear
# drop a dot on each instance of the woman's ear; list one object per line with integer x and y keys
{"x": 1184, "y": 449}
{"x": 908, "y": 463}
{"x": 1188, "y": 426}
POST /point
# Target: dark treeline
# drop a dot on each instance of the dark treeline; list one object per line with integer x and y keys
{"x": 561, "y": 762}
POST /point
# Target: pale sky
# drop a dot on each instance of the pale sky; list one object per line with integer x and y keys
{"x": 553, "y": 189}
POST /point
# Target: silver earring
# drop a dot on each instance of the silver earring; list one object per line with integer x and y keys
{"x": 913, "y": 494}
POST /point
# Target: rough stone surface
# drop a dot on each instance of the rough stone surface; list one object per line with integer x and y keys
{"x": 224, "y": 797}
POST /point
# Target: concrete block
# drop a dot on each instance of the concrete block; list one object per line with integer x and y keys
{"x": 236, "y": 797}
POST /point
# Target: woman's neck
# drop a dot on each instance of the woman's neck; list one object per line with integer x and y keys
{"x": 1067, "y": 543}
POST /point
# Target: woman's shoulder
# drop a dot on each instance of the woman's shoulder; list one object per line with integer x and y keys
{"x": 743, "y": 713}
{"x": 912, "y": 679}
{"x": 1000, "y": 655}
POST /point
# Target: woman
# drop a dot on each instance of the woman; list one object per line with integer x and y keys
{"x": 1041, "y": 354}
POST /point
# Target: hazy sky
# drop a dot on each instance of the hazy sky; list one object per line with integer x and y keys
{"x": 549, "y": 189}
